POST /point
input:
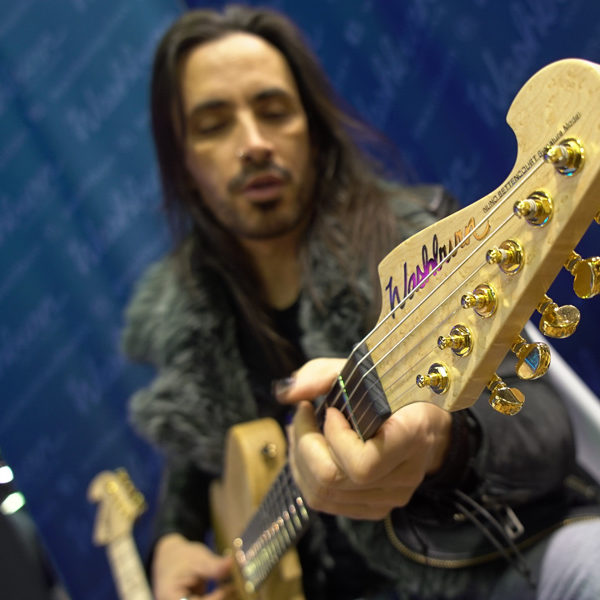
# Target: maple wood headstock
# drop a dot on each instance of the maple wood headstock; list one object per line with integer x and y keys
{"x": 119, "y": 505}
{"x": 483, "y": 271}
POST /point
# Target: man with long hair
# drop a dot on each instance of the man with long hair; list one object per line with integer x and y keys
{"x": 280, "y": 219}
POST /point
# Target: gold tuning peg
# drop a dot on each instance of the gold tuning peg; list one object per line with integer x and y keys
{"x": 586, "y": 274}
{"x": 557, "y": 321}
{"x": 508, "y": 256}
{"x": 482, "y": 300}
{"x": 460, "y": 340}
{"x": 566, "y": 157}
{"x": 537, "y": 209}
{"x": 505, "y": 400}
{"x": 533, "y": 359}
{"x": 437, "y": 378}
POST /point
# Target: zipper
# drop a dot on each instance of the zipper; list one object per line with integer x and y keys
{"x": 448, "y": 563}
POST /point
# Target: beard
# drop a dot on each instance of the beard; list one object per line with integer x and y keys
{"x": 266, "y": 219}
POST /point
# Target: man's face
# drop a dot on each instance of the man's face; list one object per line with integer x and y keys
{"x": 247, "y": 144}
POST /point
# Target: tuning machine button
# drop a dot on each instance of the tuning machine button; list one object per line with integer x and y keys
{"x": 537, "y": 209}
{"x": 567, "y": 157}
{"x": 505, "y": 400}
{"x": 437, "y": 378}
{"x": 557, "y": 321}
{"x": 460, "y": 340}
{"x": 533, "y": 359}
{"x": 508, "y": 256}
{"x": 482, "y": 300}
{"x": 586, "y": 274}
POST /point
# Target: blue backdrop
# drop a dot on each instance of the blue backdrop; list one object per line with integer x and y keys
{"x": 79, "y": 199}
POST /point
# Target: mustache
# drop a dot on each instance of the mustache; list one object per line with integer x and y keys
{"x": 252, "y": 170}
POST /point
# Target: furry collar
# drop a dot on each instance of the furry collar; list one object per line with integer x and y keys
{"x": 202, "y": 387}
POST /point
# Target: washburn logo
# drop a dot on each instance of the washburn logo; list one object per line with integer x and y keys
{"x": 432, "y": 257}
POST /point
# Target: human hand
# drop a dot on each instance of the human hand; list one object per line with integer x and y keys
{"x": 338, "y": 473}
{"x": 181, "y": 569}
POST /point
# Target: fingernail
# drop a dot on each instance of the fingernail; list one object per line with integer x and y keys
{"x": 280, "y": 387}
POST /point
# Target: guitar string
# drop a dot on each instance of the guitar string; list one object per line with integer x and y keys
{"x": 345, "y": 401}
{"x": 288, "y": 481}
{"x": 423, "y": 321}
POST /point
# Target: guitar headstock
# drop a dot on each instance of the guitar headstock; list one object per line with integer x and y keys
{"x": 475, "y": 278}
{"x": 119, "y": 505}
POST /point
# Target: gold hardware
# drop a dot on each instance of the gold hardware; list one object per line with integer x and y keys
{"x": 459, "y": 341}
{"x": 597, "y": 218}
{"x": 586, "y": 274}
{"x": 566, "y": 157}
{"x": 557, "y": 321}
{"x": 508, "y": 256}
{"x": 269, "y": 451}
{"x": 537, "y": 209}
{"x": 505, "y": 400}
{"x": 482, "y": 300}
{"x": 533, "y": 358}
{"x": 436, "y": 378}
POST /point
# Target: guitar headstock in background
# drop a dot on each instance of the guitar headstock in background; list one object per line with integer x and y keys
{"x": 457, "y": 295}
{"x": 119, "y": 505}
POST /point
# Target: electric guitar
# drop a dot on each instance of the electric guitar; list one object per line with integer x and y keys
{"x": 455, "y": 299}
{"x": 119, "y": 504}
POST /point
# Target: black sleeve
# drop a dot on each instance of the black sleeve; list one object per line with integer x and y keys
{"x": 184, "y": 504}
{"x": 525, "y": 456}
{"x": 513, "y": 459}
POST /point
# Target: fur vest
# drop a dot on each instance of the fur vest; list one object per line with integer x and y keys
{"x": 202, "y": 386}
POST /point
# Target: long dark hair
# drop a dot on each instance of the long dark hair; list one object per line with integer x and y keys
{"x": 351, "y": 216}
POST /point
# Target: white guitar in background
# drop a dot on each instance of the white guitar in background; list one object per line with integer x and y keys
{"x": 119, "y": 505}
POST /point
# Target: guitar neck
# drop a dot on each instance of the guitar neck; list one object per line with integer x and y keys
{"x": 127, "y": 569}
{"x": 282, "y": 516}
{"x": 276, "y": 526}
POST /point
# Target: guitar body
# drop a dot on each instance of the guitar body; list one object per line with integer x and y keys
{"x": 255, "y": 453}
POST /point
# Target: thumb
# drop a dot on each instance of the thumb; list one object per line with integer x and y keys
{"x": 209, "y": 565}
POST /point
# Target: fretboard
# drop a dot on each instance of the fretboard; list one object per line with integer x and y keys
{"x": 283, "y": 516}
{"x": 280, "y": 520}
{"x": 127, "y": 569}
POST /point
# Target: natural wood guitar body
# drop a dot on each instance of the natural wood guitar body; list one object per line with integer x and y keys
{"x": 255, "y": 453}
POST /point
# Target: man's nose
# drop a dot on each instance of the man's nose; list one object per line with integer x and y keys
{"x": 254, "y": 147}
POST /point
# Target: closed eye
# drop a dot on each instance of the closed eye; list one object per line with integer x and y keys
{"x": 208, "y": 124}
{"x": 274, "y": 106}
